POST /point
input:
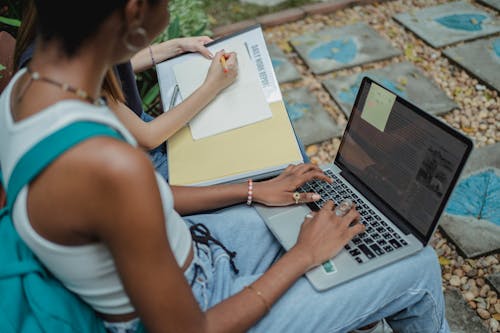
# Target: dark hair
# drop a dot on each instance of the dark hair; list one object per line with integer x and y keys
{"x": 25, "y": 38}
{"x": 26, "y": 33}
{"x": 72, "y": 22}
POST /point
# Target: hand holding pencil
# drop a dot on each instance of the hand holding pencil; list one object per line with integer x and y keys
{"x": 223, "y": 70}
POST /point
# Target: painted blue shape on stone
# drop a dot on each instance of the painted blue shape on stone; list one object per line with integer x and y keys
{"x": 296, "y": 110}
{"x": 496, "y": 47}
{"x": 277, "y": 62}
{"x": 341, "y": 50}
{"x": 349, "y": 96}
{"x": 477, "y": 196}
{"x": 467, "y": 22}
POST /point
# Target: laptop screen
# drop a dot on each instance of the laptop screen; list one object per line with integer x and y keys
{"x": 404, "y": 157}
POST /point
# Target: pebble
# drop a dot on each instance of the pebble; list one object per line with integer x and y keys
{"x": 483, "y": 313}
{"x": 455, "y": 281}
{"x": 494, "y": 325}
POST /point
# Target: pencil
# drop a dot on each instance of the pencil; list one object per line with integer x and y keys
{"x": 223, "y": 62}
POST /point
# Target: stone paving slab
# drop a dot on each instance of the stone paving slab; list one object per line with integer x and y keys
{"x": 492, "y": 3}
{"x": 311, "y": 122}
{"x": 284, "y": 68}
{"x": 337, "y": 48}
{"x": 481, "y": 58}
{"x": 403, "y": 79}
{"x": 461, "y": 318}
{"x": 494, "y": 281}
{"x": 471, "y": 219}
{"x": 450, "y": 23}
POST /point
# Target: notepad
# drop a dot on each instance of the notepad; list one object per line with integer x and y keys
{"x": 241, "y": 104}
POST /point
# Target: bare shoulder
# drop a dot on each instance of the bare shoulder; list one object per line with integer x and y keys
{"x": 89, "y": 186}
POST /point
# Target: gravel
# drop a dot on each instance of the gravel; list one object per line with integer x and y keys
{"x": 478, "y": 116}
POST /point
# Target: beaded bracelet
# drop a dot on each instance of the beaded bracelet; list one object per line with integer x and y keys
{"x": 250, "y": 192}
{"x": 262, "y": 298}
{"x": 153, "y": 62}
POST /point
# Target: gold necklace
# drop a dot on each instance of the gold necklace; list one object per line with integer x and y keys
{"x": 35, "y": 76}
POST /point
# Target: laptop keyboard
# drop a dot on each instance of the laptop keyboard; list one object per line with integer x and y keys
{"x": 378, "y": 239}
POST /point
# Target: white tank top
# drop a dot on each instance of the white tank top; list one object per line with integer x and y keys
{"x": 87, "y": 270}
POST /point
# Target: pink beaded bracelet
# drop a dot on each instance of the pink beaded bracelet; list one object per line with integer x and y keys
{"x": 250, "y": 192}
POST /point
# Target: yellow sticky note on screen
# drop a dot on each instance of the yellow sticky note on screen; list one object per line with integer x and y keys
{"x": 378, "y": 106}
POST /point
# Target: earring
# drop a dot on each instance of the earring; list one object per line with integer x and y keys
{"x": 135, "y": 40}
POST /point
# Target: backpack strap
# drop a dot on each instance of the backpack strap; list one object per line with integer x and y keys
{"x": 48, "y": 149}
{"x": 37, "y": 159}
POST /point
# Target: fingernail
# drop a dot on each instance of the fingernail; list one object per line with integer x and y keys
{"x": 316, "y": 196}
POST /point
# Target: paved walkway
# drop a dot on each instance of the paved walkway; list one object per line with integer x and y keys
{"x": 444, "y": 56}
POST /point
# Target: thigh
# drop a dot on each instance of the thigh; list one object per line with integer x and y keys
{"x": 241, "y": 229}
{"x": 409, "y": 291}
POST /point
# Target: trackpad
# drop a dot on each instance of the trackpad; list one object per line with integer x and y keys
{"x": 286, "y": 226}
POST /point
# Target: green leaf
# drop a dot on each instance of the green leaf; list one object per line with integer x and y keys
{"x": 201, "y": 30}
{"x": 10, "y": 21}
{"x": 174, "y": 28}
{"x": 151, "y": 95}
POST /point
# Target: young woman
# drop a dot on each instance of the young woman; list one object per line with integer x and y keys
{"x": 122, "y": 93}
{"x": 109, "y": 228}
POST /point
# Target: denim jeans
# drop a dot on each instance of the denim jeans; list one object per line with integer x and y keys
{"x": 158, "y": 155}
{"x": 407, "y": 293}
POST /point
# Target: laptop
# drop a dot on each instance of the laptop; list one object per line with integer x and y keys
{"x": 399, "y": 165}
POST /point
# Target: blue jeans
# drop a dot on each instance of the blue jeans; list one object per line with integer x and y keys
{"x": 407, "y": 293}
{"x": 158, "y": 155}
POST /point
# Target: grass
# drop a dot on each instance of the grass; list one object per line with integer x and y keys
{"x": 222, "y": 12}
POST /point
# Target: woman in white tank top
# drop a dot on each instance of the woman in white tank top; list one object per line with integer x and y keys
{"x": 107, "y": 226}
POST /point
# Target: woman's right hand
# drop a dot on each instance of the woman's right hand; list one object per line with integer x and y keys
{"x": 323, "y": 235}
{"x": 217, "y": 77}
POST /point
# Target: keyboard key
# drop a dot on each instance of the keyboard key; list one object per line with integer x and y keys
{"x": 377, "y": 249}
{"x": 395, "y": 243}
{"x": 354, "y": 252}
{"x": 366, "y": 251}
{"x": 359, "y": 260}
{"x": 388, "y": 248}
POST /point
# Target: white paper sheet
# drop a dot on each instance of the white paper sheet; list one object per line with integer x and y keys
{"x": 240, "y": 104}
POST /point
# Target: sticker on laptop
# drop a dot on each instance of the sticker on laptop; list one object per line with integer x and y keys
{"x": 329, "y": 267}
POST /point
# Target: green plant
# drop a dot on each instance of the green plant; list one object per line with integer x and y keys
{"x": 10, "y": 21}
{"x": 187, "y": 18}
{"x": 2, "y": 68}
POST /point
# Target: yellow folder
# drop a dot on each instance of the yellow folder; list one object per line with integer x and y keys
{"x": 255, "y": 151}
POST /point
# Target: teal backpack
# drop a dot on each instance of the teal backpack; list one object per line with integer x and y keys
{"x": 32, "y": 300}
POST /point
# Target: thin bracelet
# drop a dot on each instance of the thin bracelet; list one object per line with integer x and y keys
{"x": 153, "y": 62}
{"x": 250, "y": 192}
{"x": 262, "y": 298}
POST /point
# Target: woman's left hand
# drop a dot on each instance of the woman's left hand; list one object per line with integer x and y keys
{"x": 279, "y": 191}
{"x": 196, "y": 44}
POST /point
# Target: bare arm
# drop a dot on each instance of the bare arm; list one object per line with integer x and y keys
{"x": 142, "y": 61}
{"x": 151, "y": 134}
{"x": 277, "y": 191}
